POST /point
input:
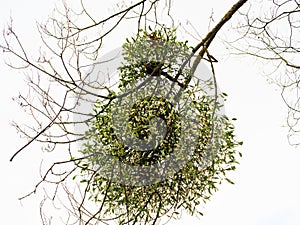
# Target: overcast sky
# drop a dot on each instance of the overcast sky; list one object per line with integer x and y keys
{"x": 267, "y": 182}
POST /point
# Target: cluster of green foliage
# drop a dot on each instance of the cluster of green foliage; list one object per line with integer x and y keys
{"x": 157, "y": 54}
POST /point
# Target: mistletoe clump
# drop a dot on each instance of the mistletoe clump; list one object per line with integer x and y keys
{"x": 158, "y": 55}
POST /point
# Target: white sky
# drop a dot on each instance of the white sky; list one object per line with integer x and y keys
{"x": 267, "y": 182}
